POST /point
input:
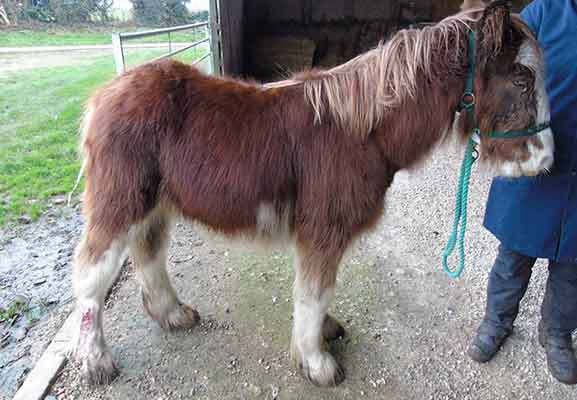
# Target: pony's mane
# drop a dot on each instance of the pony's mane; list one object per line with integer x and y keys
{"x": 359, "y": 93}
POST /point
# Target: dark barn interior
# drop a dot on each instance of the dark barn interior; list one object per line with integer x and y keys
{"x": 269, "y": 39}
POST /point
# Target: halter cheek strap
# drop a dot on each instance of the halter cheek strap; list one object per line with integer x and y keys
{"x": 468, "y": 102}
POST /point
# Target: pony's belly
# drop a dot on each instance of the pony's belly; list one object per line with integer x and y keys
{"x": 261, "y": 220}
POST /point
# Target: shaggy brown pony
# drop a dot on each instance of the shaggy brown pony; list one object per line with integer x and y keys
{"x": 308, "y": 161}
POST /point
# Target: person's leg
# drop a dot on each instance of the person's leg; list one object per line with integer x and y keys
{"x": 559, "y": 320}
{"x": 508, "y": 282}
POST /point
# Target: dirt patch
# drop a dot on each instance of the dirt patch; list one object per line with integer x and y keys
{"x": 14, "y": 62}
{"x": 34, "y": 269}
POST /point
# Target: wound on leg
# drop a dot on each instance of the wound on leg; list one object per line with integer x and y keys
{"x": 87, "y": 320}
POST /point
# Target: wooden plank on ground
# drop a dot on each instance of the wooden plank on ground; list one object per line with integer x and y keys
{"x": 47, "y": 368}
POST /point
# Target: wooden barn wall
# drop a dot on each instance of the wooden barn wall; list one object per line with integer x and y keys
{"x": 268, "y": 39}
{"x": 318, "y": 11}
{"x": 232, "y": 33}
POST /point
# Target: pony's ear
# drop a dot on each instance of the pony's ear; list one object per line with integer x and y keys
{"x": 494, "y": 31}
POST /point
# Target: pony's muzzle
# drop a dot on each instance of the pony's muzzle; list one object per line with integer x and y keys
{"x": 541, "y": 154}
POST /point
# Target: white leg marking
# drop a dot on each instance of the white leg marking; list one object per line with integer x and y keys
{"x": 91, "y": 283}
{"x": 308, "y": 346}
{"x": 160, "y": 298}
{"x": 158, "y": 295}
{"x": 157, "y": 291}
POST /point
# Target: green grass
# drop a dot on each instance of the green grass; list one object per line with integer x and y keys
{"x": 60, "y": 37}
{"x": 39, "y": 114}
{"x": 21, "y": 307}
{"x": 13, "y": 310}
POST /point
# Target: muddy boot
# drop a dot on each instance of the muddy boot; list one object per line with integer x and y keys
{"x": 559, "y": 320}
{"x": 560, "y": 356}
{"x": 487, "y": 342}
{"x": 507, "y": 284}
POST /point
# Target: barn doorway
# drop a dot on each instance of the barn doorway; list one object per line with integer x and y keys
{"x": 269, "y": 39}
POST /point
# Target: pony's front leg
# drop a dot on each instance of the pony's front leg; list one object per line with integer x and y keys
{"x": 313, "y": 291}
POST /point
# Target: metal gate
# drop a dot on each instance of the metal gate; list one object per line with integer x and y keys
{"x": 215, "y": 36}
{"x": 212, "y": 36}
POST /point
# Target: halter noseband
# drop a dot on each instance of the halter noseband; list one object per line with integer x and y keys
{"x": 468, "y": 104}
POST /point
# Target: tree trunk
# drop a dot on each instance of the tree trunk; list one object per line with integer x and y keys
{"x": 3, "y": 15}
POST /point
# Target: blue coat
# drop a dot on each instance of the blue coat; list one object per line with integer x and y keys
{"x": 537, "y": 216}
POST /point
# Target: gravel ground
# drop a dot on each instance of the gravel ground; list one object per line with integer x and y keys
{"x": 408, "y": 323}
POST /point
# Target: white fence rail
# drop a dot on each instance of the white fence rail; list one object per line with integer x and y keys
{"x": 118, "y": 40}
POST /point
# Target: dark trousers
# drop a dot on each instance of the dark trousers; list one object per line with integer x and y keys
{"x": 508, "y": 282}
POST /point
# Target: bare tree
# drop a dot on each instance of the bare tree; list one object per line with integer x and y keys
{"x": 102, "y": 8}
{"x": 9, "y": 12}
{"x": 3, "y": 15}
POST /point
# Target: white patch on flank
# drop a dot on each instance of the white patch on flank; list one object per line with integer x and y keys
{"x": 270, "y": 224}
{"x": 540, "y": 159}
{"x": 266, "y": 220}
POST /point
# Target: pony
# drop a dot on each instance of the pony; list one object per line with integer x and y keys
{"x": 308, "y": 161}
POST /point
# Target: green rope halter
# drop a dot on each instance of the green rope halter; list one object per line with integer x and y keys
{"x": 460, "y": 218}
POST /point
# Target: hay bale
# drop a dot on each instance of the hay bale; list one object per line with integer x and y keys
{"x": 331, "y": 10}
{"x": 371, "y": 9}
{"x": 279, "y": 56}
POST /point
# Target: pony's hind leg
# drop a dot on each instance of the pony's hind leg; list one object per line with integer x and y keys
{"x": 313, "y": 291}
{"x": 148, "y": 249}
{"x": 96, "y": 265}
{"x": 332, "y": 329}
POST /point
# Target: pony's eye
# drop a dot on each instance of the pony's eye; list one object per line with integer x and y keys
{"x": 521, "y": 84}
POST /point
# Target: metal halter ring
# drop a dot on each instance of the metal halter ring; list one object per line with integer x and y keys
{"x": 476, "y": 136}
{"x": 475, "y": 154}
{"x": 468, "y": 100}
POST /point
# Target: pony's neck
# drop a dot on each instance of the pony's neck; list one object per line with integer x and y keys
{"x": 410, "y": 132}
{"x": 423, "y": 118}
{"x": 405, "y": 90}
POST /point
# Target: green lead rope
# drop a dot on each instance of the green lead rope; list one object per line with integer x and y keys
{"x": 460, "y": 221}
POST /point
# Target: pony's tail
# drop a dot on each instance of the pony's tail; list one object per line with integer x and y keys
{"x": 84, "y": 128}
{"x": 80, "y": 174}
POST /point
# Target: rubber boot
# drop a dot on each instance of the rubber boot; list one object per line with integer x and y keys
{"x": 559, "y": 320}
{"x": 508, "y": 282}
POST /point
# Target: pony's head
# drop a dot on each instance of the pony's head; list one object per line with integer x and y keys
{"x": 505, "y": 105}
{"x": 413, "y": 82}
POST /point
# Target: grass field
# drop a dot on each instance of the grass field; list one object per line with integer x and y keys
{"x": 39, "y": 114}
{"x": 59, "y": 37}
